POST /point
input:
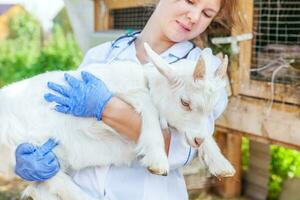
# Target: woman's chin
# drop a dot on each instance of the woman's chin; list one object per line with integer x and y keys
{"x": 177, "y": 37}
{"x": 180, "y": 35}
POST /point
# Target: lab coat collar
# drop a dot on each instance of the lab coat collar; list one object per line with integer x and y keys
{"x": 178, "y": 50}
{"x": 175, "y": 52}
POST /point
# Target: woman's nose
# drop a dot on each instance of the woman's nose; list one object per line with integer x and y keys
{"x": 194, "y": 15}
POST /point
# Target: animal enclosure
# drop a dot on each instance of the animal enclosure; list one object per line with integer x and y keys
{"x": 265, "y": 80}
{"x": 271, "y": 68}
{"x": 124, "y": 15}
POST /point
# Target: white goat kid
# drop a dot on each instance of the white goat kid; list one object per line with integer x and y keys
{"x": 26, "y": 117}
{"x": 186, "y": 98}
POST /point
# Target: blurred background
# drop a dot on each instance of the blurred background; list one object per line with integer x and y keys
{"x": 35, "y": 36}
{"x": 38, "y": 36}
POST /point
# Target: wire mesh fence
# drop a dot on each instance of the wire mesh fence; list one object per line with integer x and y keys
{"x": 131, "y": 18}
{"x": 276, "y": 26}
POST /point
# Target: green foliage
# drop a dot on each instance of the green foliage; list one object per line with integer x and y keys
{"x": 23, "y": 25}
{"x": 285, "y": 164}
{"x": 16, "y": 58}
{"x": 9, "y": 195}
{"x": 63, "y": 20}
{"x": 60, "y": 52}
{"x": 245, "y": 153}
{"x": 24, "y": 54}
{"x": 224, "y": 48}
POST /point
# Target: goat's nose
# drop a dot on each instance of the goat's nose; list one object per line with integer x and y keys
{"x": 198, "y": 141}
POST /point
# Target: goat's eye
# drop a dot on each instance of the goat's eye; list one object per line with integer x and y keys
{"x": 185, "y": 104}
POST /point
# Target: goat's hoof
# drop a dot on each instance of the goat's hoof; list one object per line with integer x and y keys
{"x": 157, "y": 171}
{"x": 224, "y": 175}
{"x": 227, "y": 174}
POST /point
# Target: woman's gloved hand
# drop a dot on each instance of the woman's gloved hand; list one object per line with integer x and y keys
{"x": 84, "y": 98}
{"x": 36, "y": 163}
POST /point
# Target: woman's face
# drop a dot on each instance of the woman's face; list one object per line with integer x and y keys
{"x": 181, "y": 20}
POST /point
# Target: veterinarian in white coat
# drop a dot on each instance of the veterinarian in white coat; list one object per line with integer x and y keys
{"x": 136, "y": 182}
{"x": 172, "y": 24}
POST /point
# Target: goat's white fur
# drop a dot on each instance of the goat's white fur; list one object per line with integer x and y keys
{"x": 26, "y": 117}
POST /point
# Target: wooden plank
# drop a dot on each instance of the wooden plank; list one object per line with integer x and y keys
{"x": 119, "y": 4}
{"x": 230, "y": 145}
{"x": 197, "y": 182}
{"x": 197, "y": 176}
{"x": 290, "y": 189}
{"x": 248, "y": 116}
{"x": 257, "y": 192}
{"x": 258, "y": 172}
{"x": 282, "y": 92}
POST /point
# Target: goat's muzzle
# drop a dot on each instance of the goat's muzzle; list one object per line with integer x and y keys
{"x": 193, "y": 142}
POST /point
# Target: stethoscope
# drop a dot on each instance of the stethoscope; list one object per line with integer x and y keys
{"x": 133, "y": 37}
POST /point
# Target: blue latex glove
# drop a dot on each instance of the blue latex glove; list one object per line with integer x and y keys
{"x": 84, "y": 98}
{"x": 34, "y": 163}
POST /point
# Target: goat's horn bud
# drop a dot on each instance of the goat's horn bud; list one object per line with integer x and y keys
{"x": 199, "y": 71}
{"x": 221, "y": 72}
{"x": 220, "y": 56}
{"x": 161, "y": 65}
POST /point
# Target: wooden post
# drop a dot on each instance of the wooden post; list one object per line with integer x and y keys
{"x": 240, "y": 64}
{"x": 102, "y": 20}
{"x": 233, "y": 72}
{"x": 97, "y": 25}
{"x": 230, "y": 145}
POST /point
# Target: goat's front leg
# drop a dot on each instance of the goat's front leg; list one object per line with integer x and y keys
{"x": 217, "y": 164}
{"x": 150, "y": 147}
{"x": 59, "y": 187}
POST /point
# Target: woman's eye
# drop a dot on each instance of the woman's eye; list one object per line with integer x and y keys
{"x": 189, "y": 1}
{"x": 185, "y": 104}
{"x": 207, "y": 15}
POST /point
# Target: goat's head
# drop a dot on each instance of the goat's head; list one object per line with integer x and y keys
{"x": 187, "y": 92}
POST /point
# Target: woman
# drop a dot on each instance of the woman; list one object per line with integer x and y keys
{"x": 168, "y": 31}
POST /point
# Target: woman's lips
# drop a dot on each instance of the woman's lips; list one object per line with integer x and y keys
{"x": 184, "y": 27}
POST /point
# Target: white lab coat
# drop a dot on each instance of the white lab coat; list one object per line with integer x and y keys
{"x": 135, "y": 182}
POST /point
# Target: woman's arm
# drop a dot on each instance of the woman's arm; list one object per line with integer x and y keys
{"x": 91, "y": 98}
{"x": 122, "y": 117}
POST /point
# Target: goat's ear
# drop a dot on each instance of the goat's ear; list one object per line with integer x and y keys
{"x": 199, "y": 71}
{"x": 161, "y": 65}
{"x": 222, "y": 70}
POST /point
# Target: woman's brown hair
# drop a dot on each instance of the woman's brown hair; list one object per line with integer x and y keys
{"x": 228, "y": 15}
{"x": 223, "y": 23}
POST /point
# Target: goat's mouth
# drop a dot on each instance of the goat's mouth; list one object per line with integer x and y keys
{"x": 193, "y": 142}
